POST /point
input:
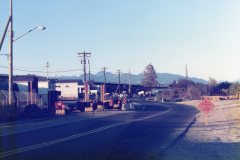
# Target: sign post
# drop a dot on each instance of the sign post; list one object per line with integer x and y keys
{"x": 206, "y": 119}
{"x": 206, "y": 106}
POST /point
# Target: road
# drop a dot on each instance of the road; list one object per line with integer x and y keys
{"x": 141, "y": 134}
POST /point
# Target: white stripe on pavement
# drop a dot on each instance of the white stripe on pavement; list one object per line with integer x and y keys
{"x": 59, "y": 122}
{"x": 75, "y": 136}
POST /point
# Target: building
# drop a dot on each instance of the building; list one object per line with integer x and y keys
{"x": 38, "y": 84}
{"x": 34, "y": 87}
{"x": 113, "y": 87}
{"x": 3, "y": 78}
{"x": 71, "y": 89}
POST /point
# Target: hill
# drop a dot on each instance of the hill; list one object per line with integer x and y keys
{"x": 163, "y": 78}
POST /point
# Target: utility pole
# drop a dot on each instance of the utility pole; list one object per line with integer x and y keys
{"x": 186, "y": 70}
{"x": 85, "y": 55}
{"x": 129, "y": 85}
{"x": 47, "y": 66}
{"x": 10, "y": 76}
{"x": 119, "y": 81}
{"x": 89, "y": 72}
{"x": 104, "y": 74}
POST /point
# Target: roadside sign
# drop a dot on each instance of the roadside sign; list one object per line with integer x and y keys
{"x": 59, "y": 108}
{"x": 206, "y": 106}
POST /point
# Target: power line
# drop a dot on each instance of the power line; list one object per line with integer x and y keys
{"x": 38, "y": 71}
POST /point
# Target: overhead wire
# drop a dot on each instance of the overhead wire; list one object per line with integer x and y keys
{"x": 39, "y": 71}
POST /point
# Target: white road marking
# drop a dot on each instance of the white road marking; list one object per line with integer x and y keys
{"x": 8, "y": 132}
{"x": 75, "y": 136}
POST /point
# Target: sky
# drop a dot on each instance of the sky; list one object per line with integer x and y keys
{"x": 126, "y": 34}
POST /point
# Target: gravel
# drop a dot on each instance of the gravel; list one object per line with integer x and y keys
{"x": 220, "y": 139}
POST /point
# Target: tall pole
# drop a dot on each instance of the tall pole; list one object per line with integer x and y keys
{"x": 186, "y": 70}
{"x": 104, "y": 74}
{"x": 83, "y": 61}
{"x": 89, "y": 72}
{"x": 47, "y": 66}
{"x": 129, "y": 85}
{"x": 119, "y": 81}
{"x": 10, "y": 76}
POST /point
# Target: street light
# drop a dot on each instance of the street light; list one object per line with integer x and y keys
{"x": 10, "y": 78}
{"x": 39, "y": 27}
{"x": 11, "y": 40}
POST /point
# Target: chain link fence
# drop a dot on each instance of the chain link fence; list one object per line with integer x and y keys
{"x": 19, "y": 101}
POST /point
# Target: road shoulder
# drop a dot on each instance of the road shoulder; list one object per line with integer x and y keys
{"x": 219, "y": 140}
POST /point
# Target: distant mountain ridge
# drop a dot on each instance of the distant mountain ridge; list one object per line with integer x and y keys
{"x": 163, "y": 78}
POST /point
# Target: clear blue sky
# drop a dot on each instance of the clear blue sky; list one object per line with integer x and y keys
{"x": 123, "y": 34}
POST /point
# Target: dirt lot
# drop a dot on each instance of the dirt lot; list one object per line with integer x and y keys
{"x": 220, "y": 139}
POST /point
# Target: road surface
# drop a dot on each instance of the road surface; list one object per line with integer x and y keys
{"x": 141, "y": 134}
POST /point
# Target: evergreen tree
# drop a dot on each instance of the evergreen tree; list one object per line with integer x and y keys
{"x": 149, "y": 77}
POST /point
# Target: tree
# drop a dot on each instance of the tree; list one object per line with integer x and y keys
{"x": 212, "y": 83}
{"x": 186, "y": 89}
{"x": 223, "y": 87}
{"x": 184, "y": 83}
{"x": 149, "y": 77}
{"x": 220, "y": 89}
{"x": 234, "y": 89}
{"x": 202, "y": 89}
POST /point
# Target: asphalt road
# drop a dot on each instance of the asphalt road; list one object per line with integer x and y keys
{"x": 140, "y": 134}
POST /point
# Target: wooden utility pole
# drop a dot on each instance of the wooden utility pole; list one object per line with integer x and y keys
{"x": 89, "y": 72}
{"x": 105, "y": 80}
{"x": 186, "y": 70}
{"x": 104, "y": 74}
{"x": 10, "y": 76}
{"x": 119, "y": 81}
{"x": 84, "y": 55}
{"x": 129, "y": 85}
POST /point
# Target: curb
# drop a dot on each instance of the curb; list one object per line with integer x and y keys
{"x": 181, "y": 135}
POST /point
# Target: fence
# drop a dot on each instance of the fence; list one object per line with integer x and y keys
{"x": 20, "y": 98}
{"x": 19, "y": 101}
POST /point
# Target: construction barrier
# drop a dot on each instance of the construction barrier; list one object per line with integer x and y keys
{"x": 124, "y": 102}
{"x": 60, "y": 109}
